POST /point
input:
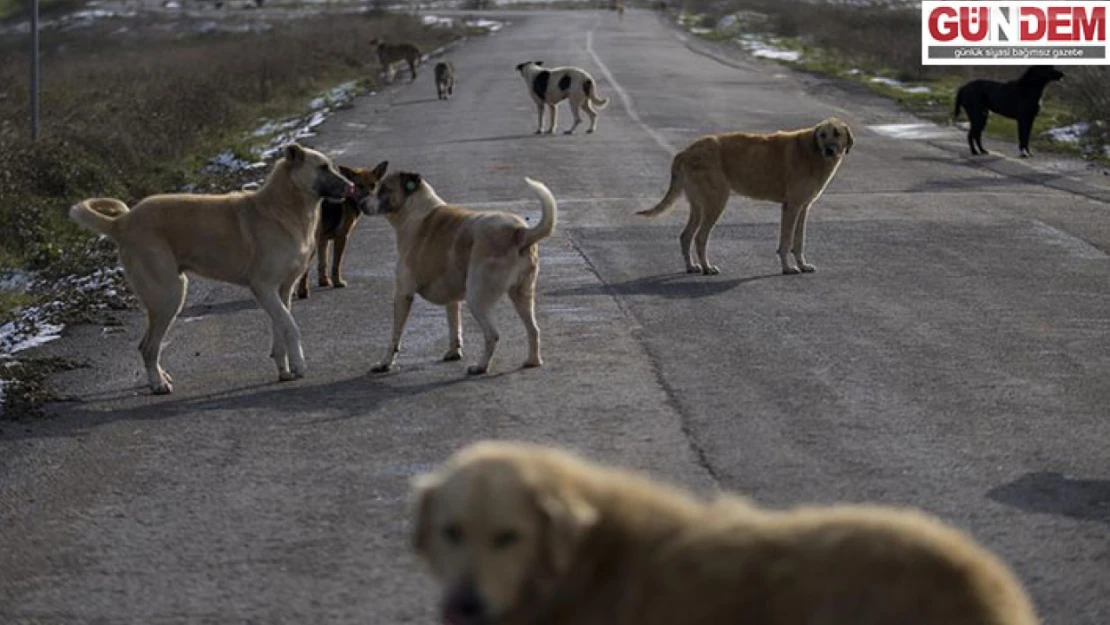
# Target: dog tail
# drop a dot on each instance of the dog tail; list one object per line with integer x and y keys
{"x": 100, "y": 215}
{"x": 596, "y": 100}
{"x": 959, "y": 105}
{"x": 673, "y": 191}
{"x": 543, "y": 229}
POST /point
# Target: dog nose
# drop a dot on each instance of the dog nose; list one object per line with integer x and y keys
{"x": 464, "y": 606}
{"x": 830, "y": 152}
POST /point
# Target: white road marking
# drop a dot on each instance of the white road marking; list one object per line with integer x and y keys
{"x": 626, "y": 100}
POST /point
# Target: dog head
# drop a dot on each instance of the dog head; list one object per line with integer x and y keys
{"x": 833, "y": 138}
{"x": 496, "y": 529}
{"x": 393, "y": 193}
{"x": 315, "y": 174}
{"x": 1042, "y": 74}
{"x": 522, "y": 66}
{"x": 366, "y": 182}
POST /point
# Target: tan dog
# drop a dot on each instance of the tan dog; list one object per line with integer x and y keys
{"x": 519, "y": 534}
{"x": 449, "y": 253}
{"x": 790, "y": 168}
{"x": 445, "y": 80}
{"x": 337, "y": 221}
{"x": 261, "y": 240}
{"x": 390, "y": 53}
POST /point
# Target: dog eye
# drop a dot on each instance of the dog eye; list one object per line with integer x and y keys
{"x": 505, "y": 539}
{"x": 836, "y": 133}
{"x": 453, "y": 534}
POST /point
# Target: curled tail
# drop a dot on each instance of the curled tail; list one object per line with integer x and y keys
{"x": 543, "y": 229}
{"x": 673, "y": 191}
{"x": 99, "y": 214}
{"x": 588, "y": 88}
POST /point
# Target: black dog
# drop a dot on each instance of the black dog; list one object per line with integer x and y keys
{"x": 1018, "y": 99}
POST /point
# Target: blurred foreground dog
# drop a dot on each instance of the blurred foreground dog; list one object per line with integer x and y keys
{"x": 337, "y": 221}
{"x": 445, "y": 79}
{"x": 1017, "y": 99}
{"x": 549, "y": 87}
{"x": 261, "y": 240}
{"x": 449, "y": 253}
{"x": 519, "y": 534}
{"x": 390, "y": 53}
{"x": 791, "y": 168}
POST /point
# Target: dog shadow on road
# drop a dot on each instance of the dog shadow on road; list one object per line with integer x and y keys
{"x": 669, "y": 286}
{"x": 1049, "y": 492}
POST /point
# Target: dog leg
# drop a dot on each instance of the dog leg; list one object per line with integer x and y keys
{"x": 338, "y": 247}
{"x": 693, "y": 223}
{"x": 1025, "y": 130}
{"x": 593, "y": 116}
{"x": 454, "y": 326}
{"x": 302, "y": 285}
{"x": 402, "y": 304}
{"x": 790, "y": 212}
{"x": 712, "y": 206}
{"x": 523, "y": 296}
{"x": 287, "y": 336}
{"x": 540, "y": 107}
{"x": 485, "y": 283}
{"x": 554, "y": 112}
{"x": 322, "y": 263}
{"x": 978, "y": 125}
{"x": 575, "y": 105}
{"x": 798, "y": 248}
{"x": 159, "y": 286}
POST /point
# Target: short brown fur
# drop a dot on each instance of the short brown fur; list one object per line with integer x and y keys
{"x": 519, "y": 534}
{"x": 790, "y": 168}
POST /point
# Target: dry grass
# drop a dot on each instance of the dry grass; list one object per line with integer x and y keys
{"x": 129, "y": 114}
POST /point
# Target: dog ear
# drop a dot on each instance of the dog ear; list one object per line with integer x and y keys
{"x": 423, "y": 488}
{"x": 540, "y": 63}
{"x": 379, "y": 171}
{"x": 568, "y": 519}
{"x": 851, "y": 139}
{"x": 410, "y": 182}
{"x": 294, "y": 153}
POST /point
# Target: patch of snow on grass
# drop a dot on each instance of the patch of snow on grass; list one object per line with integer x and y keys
{"x": 898, "y": 84}
{"x": 761, "y": 48}
{"x": 1069, "y": 134}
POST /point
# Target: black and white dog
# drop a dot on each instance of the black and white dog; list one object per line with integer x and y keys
{"x": 1018, "y": 99}
{"x": 549, "y": 87}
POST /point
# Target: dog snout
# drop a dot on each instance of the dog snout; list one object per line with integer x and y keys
{"x": 830, "y": 152}
{"x": 464, "y": 606}
{"x": 350, "y": 190}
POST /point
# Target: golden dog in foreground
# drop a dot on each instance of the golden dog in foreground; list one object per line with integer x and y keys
{"x": 520, "y": 534}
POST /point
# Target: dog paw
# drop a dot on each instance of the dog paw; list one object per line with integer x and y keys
{"x": 288, "y": 376}
{"x": 711, "y": 270}
{"x": 302, "y": 293}
{"x": 381, "y": 367}
{"x": 789, "y": 271}
{"x": 539, "y": 132}
{"x": 807, "y": 268}
{"x": 532, "y": 364}
{"x": 476, "y": 370}
{"x": 323, "y": 282}
{"x": 452, "y": 355}
{"x": 693, "y": 268}
{"x": 162, "y": 389}
{"x": 339, "y": 283}
{"x": 590, "y": 131}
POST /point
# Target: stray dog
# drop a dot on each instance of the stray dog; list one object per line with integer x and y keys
{"x": 337, "y": 221}
{"x": 445, "y": 79}
{"x": 449, "y": 253}
{"x": 1018, "y": 99}
{"x": 261, "y": 240}
{"x": 549, "y": 87}
{"x": 517, "y": 533}
{"x": 790, "y": 167}
{"x": 390, "y": 53}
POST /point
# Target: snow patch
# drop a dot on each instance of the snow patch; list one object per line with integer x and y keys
{"x": 1073, "y": 133}
{"x": 759, "y": 47}
{"x": 898, "y": 84}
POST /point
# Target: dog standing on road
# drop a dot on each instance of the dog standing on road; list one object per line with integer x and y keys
{"x": 261, "y": 240}
{"x": 445, "y": 79}
{"x": 549, "y": 87}
{"x": 1017, "y": 99}
{"x": 517, "y": 533}
{"x": 337, "y": 221}
{"x": 790, "y": 168}
{"x": 390, "y": 53}
{"x": 448, "y": 253}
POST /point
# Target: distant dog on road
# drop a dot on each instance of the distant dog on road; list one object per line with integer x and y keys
{"x": 1017, "y": 99}
{"x": 448, "y": 253}
{"x": 516, "y": 533}
{"x": 445, "y": 79}
{"x": 792, "y": 168}
{"x": 337, "y": 221}
{"x": 261, "y": 240}
{"x": 390, "y": 53}
{"x": 549, "y": 87}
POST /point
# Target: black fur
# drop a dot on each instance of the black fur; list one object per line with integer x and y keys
{"x": 1017, "y": 99}
{"x": 331, "y": 215}
{"x": 564, "y": 83}
{"x": 588, "y": 88}
{"x": 539, "y": 84}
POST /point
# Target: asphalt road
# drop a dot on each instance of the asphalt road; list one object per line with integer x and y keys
{"x": 950, "y": 353}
